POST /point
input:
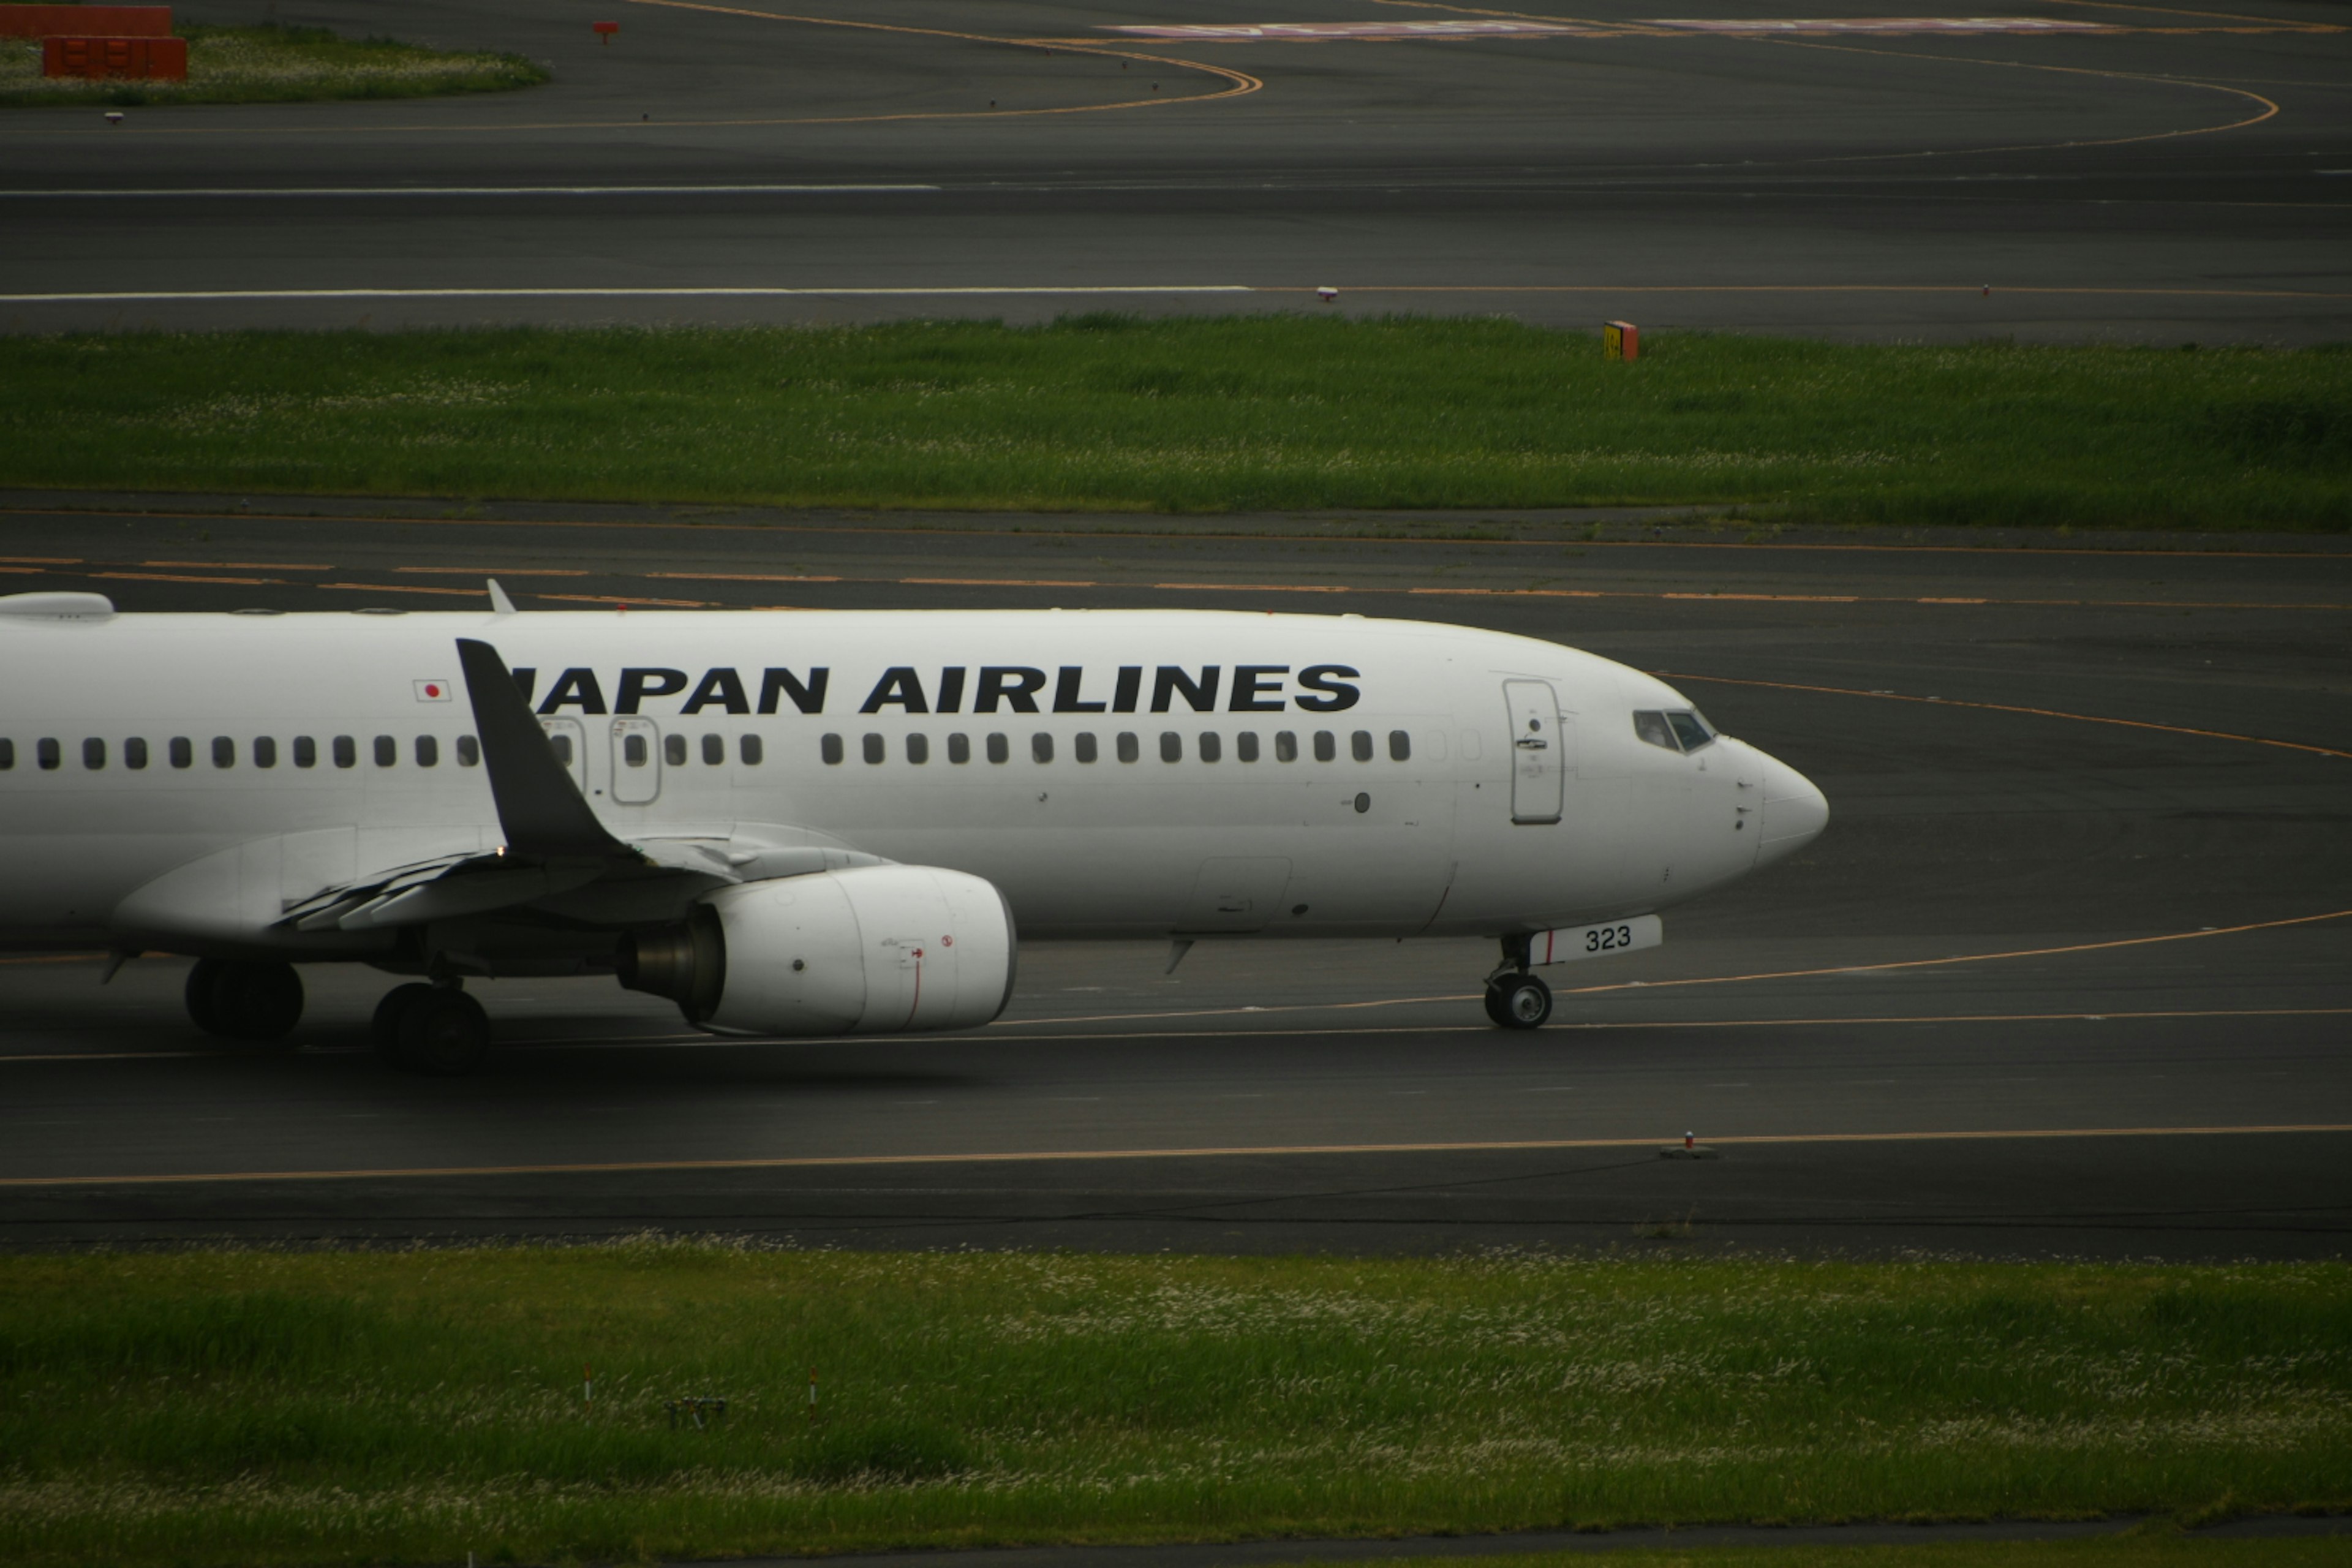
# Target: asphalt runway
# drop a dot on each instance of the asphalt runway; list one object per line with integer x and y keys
{"x": 2168, "y": 174}
{"x": 2071, "y": 972}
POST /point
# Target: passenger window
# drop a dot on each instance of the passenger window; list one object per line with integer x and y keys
{"x": 673, "y": 750}
{"x": 264, "y": 751}
{"x": 830, "y": 749}
{"x": 1286, "y": 746}
{"x": 470, "y": 751}
{"x": 560, "y": 744}
{"x": 918, "y": 749}
{"x": 1327, "y": 745}
{"x": 46, "y": 753}
{"x": 1040, "y": 747}
{"x": 748, "y": 747}
{"x": 347, "y": 753}
{"x": 183, "y": 754}
{"x": 873, "y": 748}
{"x": 1360, "y": 745}
{"x": 1653, "y": 729}
{"x": 1172, "y": 746}
{"x": 634, "y": 750}
{"x": 429, "y": 752}
{"x": 1086, "y": 746}
{"x": 306, "y": 751}
{"x": 135, "y": 753}
{"x": 8, "y": 754}
{"x": 93, "y": 754}
{"x": 1212, "y": 745}
{"x": 225, "y": 751}
{"x": 1399, "y": 746}
{"x": 959, "y": 748}
{"x": 1691, "y": 729}
{"x": 1000, "y": 749}
{"x": 1129, "y": 748}
{"x": 387, "y": 751}
{"x": 1245, "y": 746}
{"x": 714, "y": 751}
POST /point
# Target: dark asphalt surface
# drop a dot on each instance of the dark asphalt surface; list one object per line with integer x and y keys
{"x": 2124, "y": 770}
{"x": 2187, "y": 175}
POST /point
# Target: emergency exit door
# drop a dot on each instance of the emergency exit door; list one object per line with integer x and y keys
{"x": 1538, "y": 750}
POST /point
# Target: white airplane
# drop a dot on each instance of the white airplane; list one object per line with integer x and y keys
{"x": 798, "y": 824}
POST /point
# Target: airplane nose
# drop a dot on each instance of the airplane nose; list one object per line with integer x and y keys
{"x": 1794, "y": 812}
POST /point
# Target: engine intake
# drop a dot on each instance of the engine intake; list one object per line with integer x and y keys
{"x": 874, "y": 950}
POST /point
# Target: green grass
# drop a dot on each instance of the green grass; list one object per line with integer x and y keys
{"x": 218, "y": 1408}
{"x": 273, "y": 64}
{"x": 1202, "y": 416}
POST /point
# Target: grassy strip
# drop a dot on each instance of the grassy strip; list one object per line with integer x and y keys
{"x": 266, "y": 1407}
{"x": 273, "y": 64}
{"x": 1105, "y": 412}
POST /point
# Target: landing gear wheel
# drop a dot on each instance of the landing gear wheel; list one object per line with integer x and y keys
{"x": 258, "y": 1002}
{"x": 444, "y": 1034}
{"x": 384, "y": 1029}
{"x": 1518, "y": 1001}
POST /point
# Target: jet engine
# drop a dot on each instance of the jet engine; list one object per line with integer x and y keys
{"x": 873, "y": 949}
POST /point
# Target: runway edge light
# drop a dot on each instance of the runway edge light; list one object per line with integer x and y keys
{"x": 1620, "y": 341}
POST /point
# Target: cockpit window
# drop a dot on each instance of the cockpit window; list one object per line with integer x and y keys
{"x": 1691, "y": 729}
{"x": 1681, "y": 730}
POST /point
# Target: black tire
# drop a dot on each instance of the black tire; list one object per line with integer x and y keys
{"x": 258, "y": 1002}
{"x": 1493, "y": 1003}
{"x": 1523, "y": 1001}
{"x": 384, "y": 1029}
{"x": 201, "y": 981}
{"x": 444, "y": 1034}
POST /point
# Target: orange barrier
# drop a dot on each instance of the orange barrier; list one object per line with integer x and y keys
{"x": 153, "y": 59}
{"x": 85, "y": 21}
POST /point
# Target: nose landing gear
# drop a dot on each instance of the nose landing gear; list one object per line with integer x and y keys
{"x": 1518, "y": 1001}
{"x": 1515, "y": 998}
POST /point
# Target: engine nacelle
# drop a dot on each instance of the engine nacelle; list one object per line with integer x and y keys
{"x": 874, "y": 950}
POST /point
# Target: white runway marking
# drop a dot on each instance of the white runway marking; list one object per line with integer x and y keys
{"x": 1884, "y": 24}
{"x": 269, "y": 191}
{"x": 138, "y": 296}
{"x": 1320, "y": 31}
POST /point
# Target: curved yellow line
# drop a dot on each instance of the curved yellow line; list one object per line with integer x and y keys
{"x": 1243, "y": 83}
{"x": 2270, "y": 108}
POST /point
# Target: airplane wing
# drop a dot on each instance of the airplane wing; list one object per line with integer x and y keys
{"x": 558, "y": 855}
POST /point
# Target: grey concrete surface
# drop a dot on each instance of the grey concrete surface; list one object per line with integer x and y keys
{"x": 2181, "y": 176}
{"x": 2112, "y": 782}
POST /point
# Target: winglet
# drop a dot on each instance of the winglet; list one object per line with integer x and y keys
{"x": 540, "y": 806}
{"x": 500, "y": 604}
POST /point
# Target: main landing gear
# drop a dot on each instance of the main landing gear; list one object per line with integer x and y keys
{"x": 1516, "y": 999}
{"x": 258, "y": 1002}
{"x": 435, "y": 1030}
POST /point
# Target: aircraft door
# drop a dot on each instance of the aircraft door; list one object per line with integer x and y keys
{"x": 569, "y": 741}
{"x": 636, "y": 761}
{"x": 1539, "y": 758}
